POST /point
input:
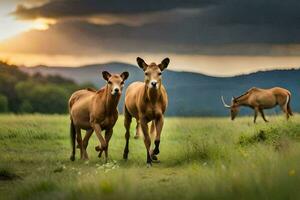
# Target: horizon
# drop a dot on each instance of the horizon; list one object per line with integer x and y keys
{"x": 208, "y": 37}
{"x": 175, "y": 70}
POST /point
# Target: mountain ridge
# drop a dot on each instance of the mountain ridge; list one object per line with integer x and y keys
{"x": 190, "y": 93}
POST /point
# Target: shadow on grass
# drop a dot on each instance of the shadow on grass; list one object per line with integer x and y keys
{"x": 7, "y": 174}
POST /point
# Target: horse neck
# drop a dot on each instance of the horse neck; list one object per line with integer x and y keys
{"x": 243, "y": 100}
{"x": 152, "y": 95}
{"x": 111, "y": 101}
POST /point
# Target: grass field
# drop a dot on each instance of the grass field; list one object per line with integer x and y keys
{"x": 208, "y": 158}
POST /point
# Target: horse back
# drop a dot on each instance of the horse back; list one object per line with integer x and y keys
{"x": 79, "y": 95}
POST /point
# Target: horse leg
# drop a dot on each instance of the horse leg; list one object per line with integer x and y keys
{"x": 86, "y": 138}
{"x": 153, "y": 129}
{"x": 127, "y": 123}
{"x": 102, "y": 141}
{"x": 137, "y": 130}
{"x": 285, "y": 110}
{"x": 255, "y": 114}
{"x": 86, "y": 141}
{"x": 147, "y": 140}
{"x": 79, "y": 141}
{"x": 263, "y": 115}
{"x": 108, "y": 134}
{"x": 158, "y": 126}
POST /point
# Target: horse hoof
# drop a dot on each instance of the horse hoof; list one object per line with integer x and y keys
{"x": 85, "y": 158}
{"x": 149, "y": 165}
{"x": 154, "y": 157}
{"x": 98, "y": 148}
{"x": 125, "y": 157}
{"x": 136, "y": 137}
{"x": 72, "y": 158}
{"x": 156, "y": 151}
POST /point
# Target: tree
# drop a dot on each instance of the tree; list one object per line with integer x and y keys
{"x": 26, "y": 107}
{"x": 21, "y": 92}
{"x": 42, "y": 98}
{"x": 3, "y": 103}
{"x": 49, "y": 99}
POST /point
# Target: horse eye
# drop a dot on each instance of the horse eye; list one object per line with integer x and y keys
{"x": 122, "y": 83}
{"x": 159, "y": 73}
{"x": 146, "y": 73}
{"x": 109, "y": 82}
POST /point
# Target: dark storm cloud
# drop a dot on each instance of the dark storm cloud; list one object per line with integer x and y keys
{"x": 228, "y": 27}
{"x": 77, "y": 8}
{"x": 82, "y": 38}
{"x": 185, "y": 37}
{"x": 276, "y": 12}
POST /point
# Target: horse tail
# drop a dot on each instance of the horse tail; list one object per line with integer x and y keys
{"x": 288, "y": 106}
{"x": 73, "y": 138}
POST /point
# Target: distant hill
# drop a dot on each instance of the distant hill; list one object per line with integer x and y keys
{"x": 190, "y": 94}
{"x": 22, "y": 93}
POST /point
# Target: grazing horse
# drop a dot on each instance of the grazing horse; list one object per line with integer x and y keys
{"x": 259, "y": 99}
{"x": 93, "y": 110}
{"x": 147, "y": 101}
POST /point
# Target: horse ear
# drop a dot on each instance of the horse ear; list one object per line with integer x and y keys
{"x": 106, "y": 75}
{"x": 124, "y": 75}
{"x": 233, "y": 99}
{"x": 141, "y": 63}
{"x": 164, "y": 64}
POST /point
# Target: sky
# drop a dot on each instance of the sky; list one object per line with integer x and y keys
{"x": 215, "y": 37}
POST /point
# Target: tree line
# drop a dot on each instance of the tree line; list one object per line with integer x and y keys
{"x": 24, "y": 93}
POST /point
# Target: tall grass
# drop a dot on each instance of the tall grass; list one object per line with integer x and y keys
{"x": 208, "y": 158}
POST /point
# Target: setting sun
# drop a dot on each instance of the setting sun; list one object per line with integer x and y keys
{"x": 41, "y": 24}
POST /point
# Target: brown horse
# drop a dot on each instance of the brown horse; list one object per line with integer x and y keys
{"x": 93, "y": 110}
{"x": 147, "y": 101}
{"x": 259, "y": 99}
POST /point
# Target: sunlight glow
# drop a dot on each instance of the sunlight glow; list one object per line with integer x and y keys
{"x": 42, "y": 24}
{"x": 10, "y": 27}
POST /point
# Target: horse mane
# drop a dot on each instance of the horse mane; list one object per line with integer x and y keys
{"x": 91, "y": 89}
{"x": 101, "y": 91}
{"x": 241, "y": 95}
{"x": 251, "y": 89}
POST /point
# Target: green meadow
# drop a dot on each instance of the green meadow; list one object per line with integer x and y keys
{"x": 201, "y": 158}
